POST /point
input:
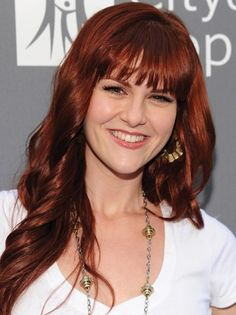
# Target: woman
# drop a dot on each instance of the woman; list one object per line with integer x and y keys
{"x": 105, "y": 213}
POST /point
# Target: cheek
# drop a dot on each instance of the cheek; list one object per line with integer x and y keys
{"x": 100, "y": 110}
{"x": 163, "y": 120}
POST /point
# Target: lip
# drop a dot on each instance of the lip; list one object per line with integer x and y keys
{"x": 129, "y": 145}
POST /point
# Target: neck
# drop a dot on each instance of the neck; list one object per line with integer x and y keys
{"x": 113, "y": 194}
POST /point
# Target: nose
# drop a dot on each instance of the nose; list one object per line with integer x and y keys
{"x": 134, "y": 112}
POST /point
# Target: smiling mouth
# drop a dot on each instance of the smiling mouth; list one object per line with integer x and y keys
{"x": 127, "y": 137}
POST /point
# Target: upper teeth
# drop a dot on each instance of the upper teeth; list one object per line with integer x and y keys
{"x": 126, "y": 137}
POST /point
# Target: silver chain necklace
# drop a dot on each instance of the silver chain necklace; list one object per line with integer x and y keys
{"x": 146, "y": 289}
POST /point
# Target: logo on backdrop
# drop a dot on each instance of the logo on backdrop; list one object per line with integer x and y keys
{"x": 45, "y": 29}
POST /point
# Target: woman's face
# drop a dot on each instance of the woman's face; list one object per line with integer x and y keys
{"x": 127, "y": 125}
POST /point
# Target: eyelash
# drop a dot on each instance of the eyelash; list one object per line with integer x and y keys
{"x": 163, "y": 98}
{"x": 117, "y": 90}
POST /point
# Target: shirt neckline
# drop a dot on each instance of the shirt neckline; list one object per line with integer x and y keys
{"x": 135, "y": 305}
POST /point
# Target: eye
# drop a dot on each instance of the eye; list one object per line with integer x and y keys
{"x": 114, "y": 89}
{"x": 162, "y": 98}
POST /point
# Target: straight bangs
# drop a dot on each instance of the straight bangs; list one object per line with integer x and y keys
{"x": 163, "y": 57}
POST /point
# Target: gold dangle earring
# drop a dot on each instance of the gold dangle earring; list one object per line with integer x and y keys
{"x": 170, "y": 157}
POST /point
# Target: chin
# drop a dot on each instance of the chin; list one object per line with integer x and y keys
{"x": 126, "y": 171}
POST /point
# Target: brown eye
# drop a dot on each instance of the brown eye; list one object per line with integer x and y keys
{"x": 162, "y": 98}
{"x": 117, "y": 90}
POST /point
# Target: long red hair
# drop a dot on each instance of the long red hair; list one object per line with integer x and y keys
{"x": 115, "y": 38}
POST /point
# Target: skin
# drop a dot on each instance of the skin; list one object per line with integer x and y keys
{"x": 132, "y": 109}
{"x": 224, "y": 311}
{"x": 115, "y": 171}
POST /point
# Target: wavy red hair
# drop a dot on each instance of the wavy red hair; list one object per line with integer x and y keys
{"x": 123, "y": 39}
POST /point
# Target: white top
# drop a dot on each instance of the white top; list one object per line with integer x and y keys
{"x": 199, "y": 270}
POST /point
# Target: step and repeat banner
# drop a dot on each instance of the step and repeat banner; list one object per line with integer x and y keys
{"x": 36, "y": 34}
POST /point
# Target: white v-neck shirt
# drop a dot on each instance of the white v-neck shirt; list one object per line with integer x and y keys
{"x": 198, "y": 271}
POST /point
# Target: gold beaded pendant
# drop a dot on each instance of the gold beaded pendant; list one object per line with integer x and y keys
{"x": 147, "y": 290}
{"x": 149, "y": 232}
{"x": 86, "y": 282}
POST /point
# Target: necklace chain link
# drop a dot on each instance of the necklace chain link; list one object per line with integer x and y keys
{"x": 86, "y": 280}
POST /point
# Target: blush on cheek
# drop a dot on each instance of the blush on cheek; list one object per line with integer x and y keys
{"x": 101, "y": 110}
